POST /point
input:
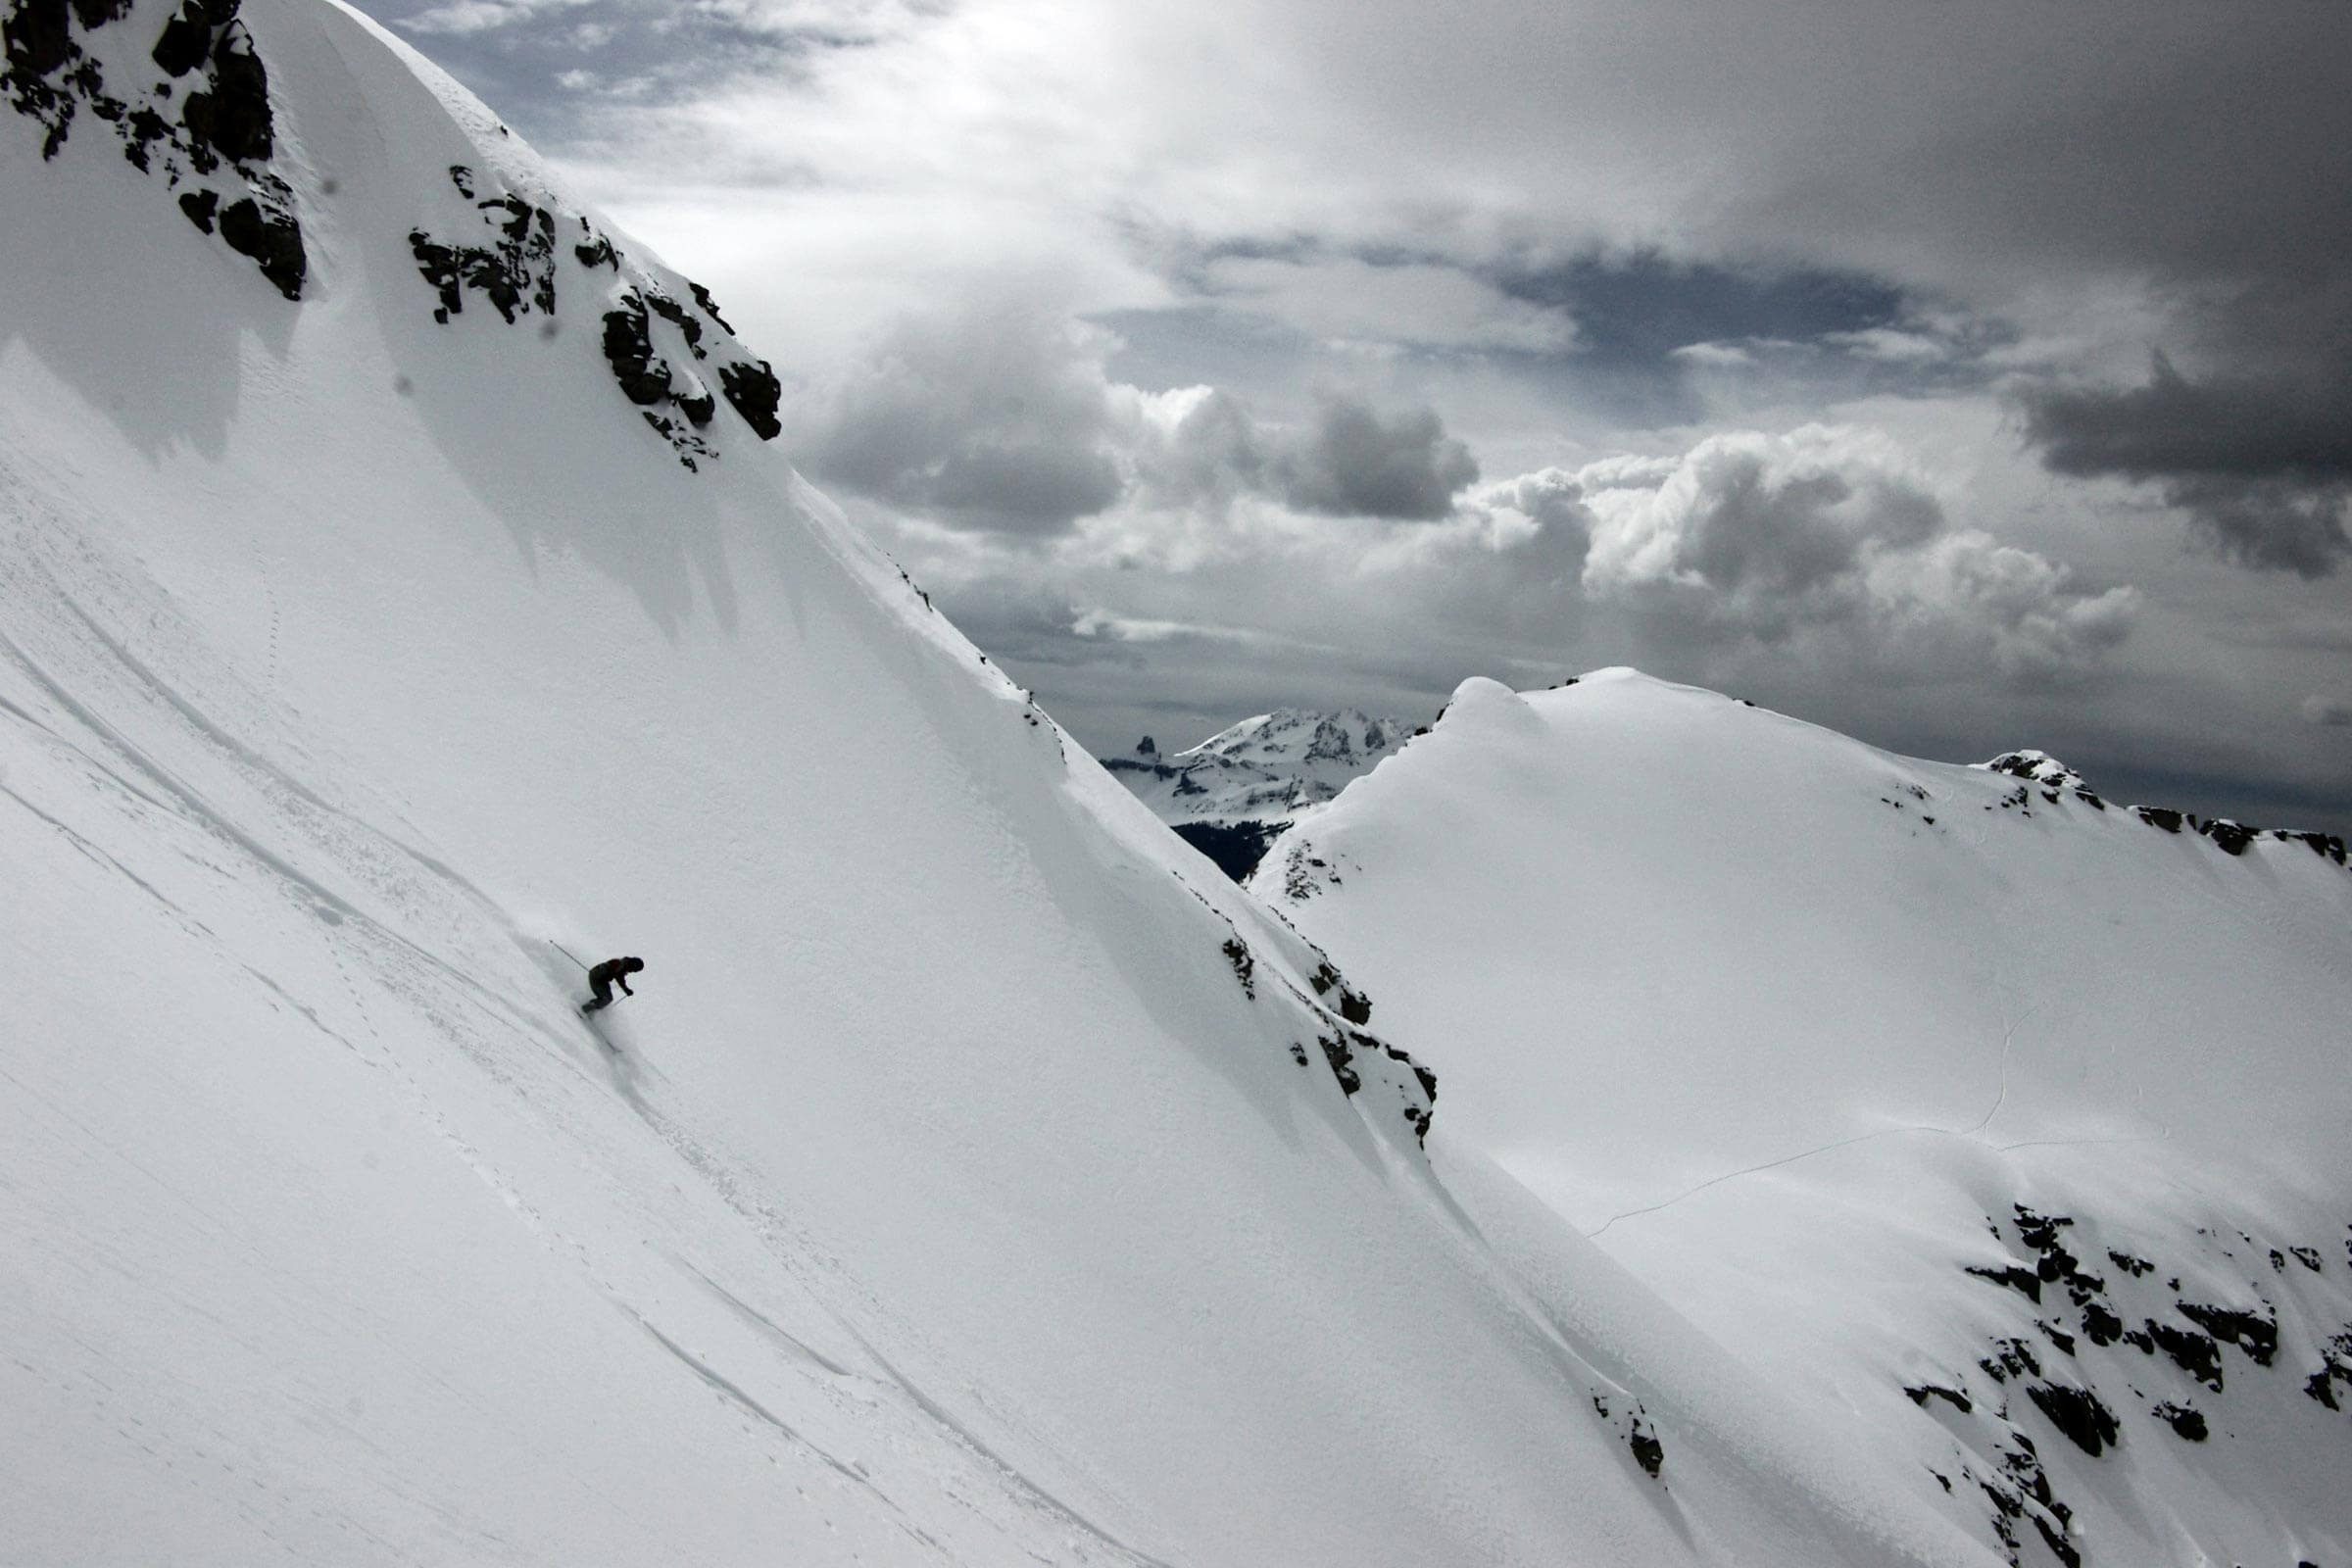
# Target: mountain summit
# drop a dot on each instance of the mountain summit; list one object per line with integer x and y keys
{"x": 2004, "y": 1121}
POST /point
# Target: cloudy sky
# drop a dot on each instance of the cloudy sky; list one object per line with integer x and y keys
{"x": 1962, "y": 377}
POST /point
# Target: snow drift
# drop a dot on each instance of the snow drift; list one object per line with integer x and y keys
{"x": 1997, "y": 1121}
{"x": 394, "y": 582}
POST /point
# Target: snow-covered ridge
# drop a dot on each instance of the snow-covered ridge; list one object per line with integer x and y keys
{"x": 1231, "y": 795}
{"x": 2003, "y": 1122}
{"x": 2055, "y": 779}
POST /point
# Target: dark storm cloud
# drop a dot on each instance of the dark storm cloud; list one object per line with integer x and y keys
{"x": 2263, "y": 468}
{"x": 1350, "y": 459}
{"x": 1352, "y": 463}
{"x": 2100, "y": 176}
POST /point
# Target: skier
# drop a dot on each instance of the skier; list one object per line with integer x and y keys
{"x": 611, "y": 973}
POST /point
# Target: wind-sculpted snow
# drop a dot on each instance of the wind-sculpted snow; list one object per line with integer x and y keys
{"x": 1998, "y": 1123}
{"x": 974, "y": 1177}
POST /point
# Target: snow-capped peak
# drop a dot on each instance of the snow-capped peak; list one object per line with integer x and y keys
{"x": 1232, "y": 792}
{"x": 2003, "y": 1122}
{"x": 1293, "y": 737}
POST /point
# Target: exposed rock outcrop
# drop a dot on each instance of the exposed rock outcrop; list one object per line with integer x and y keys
{"x": 206, "y": 128}
{"x": 514, "y": 265}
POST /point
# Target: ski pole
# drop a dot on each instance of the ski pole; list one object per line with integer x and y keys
{"x": 567, "y": 951}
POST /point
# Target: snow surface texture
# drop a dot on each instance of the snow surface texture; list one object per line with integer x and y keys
{"x": 1999, "y": 1125}
{"x": 976, "y": 1176}
{"x": 1230, "y": 796}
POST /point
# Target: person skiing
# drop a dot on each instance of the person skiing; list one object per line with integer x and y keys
{"x": 606, "y": 975}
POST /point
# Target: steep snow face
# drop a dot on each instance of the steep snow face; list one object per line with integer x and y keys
{"x": 2004, "y": 1124}
{"x": 1232, "y": 794}
{"x": 972, "y": 1178}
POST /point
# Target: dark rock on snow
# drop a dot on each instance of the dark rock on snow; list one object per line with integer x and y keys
{"x": 223, "y": 121}
{"x": 270, "y": 238}
{"x": 2078, "y": 1412}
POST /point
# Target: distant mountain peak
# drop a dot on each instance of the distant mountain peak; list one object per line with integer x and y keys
{"x": 1233, "y": 792}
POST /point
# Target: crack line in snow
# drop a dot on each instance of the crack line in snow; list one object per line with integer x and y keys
{"x": 190, "y": 803}
{"x": 1769, "y": 1164}
{"x": 2000, "y": 1097}
{"x": 2009, "y": 1028}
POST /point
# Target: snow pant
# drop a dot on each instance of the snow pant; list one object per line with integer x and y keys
{"x": 603, "y": 994}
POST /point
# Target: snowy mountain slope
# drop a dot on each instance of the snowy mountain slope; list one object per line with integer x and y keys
{"x": 1230, "y": 796}
{"x": 2000, "y": 1122}
{"x": 976, "y": 1178}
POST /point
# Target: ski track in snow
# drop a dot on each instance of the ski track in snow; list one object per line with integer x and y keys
{"x": 189, "y": 806}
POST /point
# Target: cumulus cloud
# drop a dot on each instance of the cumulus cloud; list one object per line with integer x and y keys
{"x": 1004, "y": 419}
{"x": 1771, "y": 528}
{"x": 1546, "y": 507}
{"x": 995, "y": 418}
{"x": 1966, "y": 597}
{"x": 2325, "y": 710}
{"x": 1352, "y": 461}
{"x": 1822, "y": 540}
{"x": 1200, "y": 448}
{"x": 1825, "y": 546}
